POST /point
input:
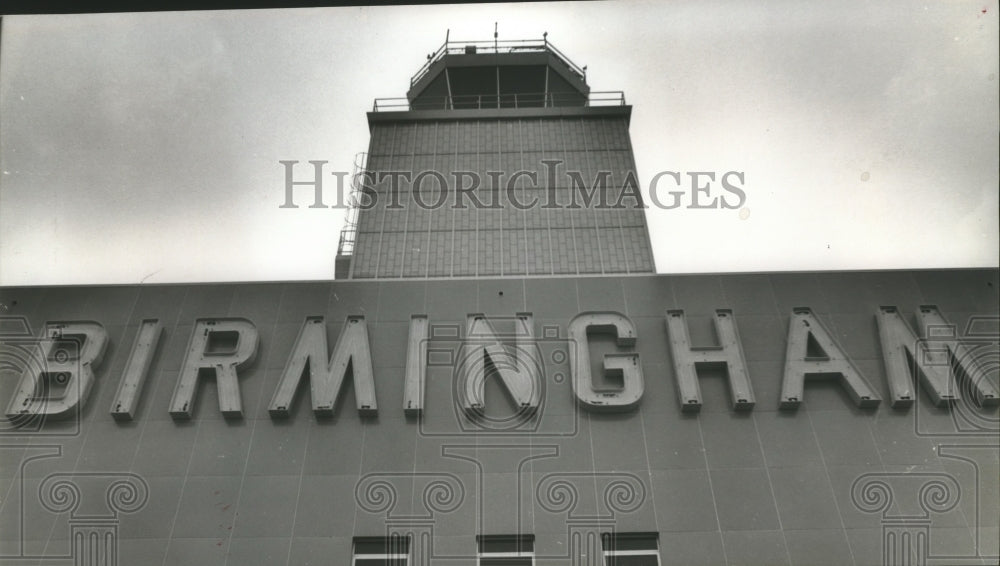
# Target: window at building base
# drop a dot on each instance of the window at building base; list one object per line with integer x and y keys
{"x": 506, "y": 550}
{"x": 631, "y": 549}
{"x": 381, "y": 551}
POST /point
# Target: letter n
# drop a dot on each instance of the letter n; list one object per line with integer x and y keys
{"x": 813, "y": 353}
{"x": 931, "y": 359}
{"x": 729, "y": 353}
{"x": 520, "y": 371}
{"x": 326, "y": 374}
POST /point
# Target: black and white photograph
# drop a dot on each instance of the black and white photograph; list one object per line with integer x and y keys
{"x": 579, "y": 283}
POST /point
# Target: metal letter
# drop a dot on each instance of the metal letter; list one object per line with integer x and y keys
{"x": 934, "y": 355}
{"x": 326, "y": 374}
{"x": 687, "y": 358}
{"x": 225, "y": 362}
{"x": 899, "y": 352}
{"x": 519, "y": 373}
{"x": 134, "y": 376}
{"x": 416, "y": 366}
{"x": 626, "y": 364}
{"x": 66, "y": 362}
{"x": 803, "y": 328}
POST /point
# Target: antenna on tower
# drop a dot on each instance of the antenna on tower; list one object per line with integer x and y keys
{"x": 495, "y": 36}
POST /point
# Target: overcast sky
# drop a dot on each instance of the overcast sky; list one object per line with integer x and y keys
{"x": 145, "y": 147}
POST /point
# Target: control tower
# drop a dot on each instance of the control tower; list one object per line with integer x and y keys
{"x": 500, "y": 161}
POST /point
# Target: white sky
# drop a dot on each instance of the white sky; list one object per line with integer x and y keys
{"x": 145, "y": 147}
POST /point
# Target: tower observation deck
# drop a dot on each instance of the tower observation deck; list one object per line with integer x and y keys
{"x": 500, "y": 161}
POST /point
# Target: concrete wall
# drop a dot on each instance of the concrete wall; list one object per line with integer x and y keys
{"x": 407, "y": 240}
{"x": 720, "y": 487}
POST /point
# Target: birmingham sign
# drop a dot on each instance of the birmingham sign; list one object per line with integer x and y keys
{"x": 57, "y": 368}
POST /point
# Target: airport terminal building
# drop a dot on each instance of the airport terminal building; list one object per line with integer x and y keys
{"x": 498, "y": 375}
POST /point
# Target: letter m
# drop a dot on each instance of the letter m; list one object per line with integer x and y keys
{"x": 326, "y": 374}
{"x": 598, "y": 189}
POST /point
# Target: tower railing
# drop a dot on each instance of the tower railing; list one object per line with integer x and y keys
{"x": 487, "y": 101}
{"x": 450, "y": 47}
{"x": 349, "y": 232}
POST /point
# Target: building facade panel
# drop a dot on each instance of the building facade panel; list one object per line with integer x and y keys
{"x": 434, "y": 157}
{"x": 501, "y": 372}
{"x": 304, "y": 482}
